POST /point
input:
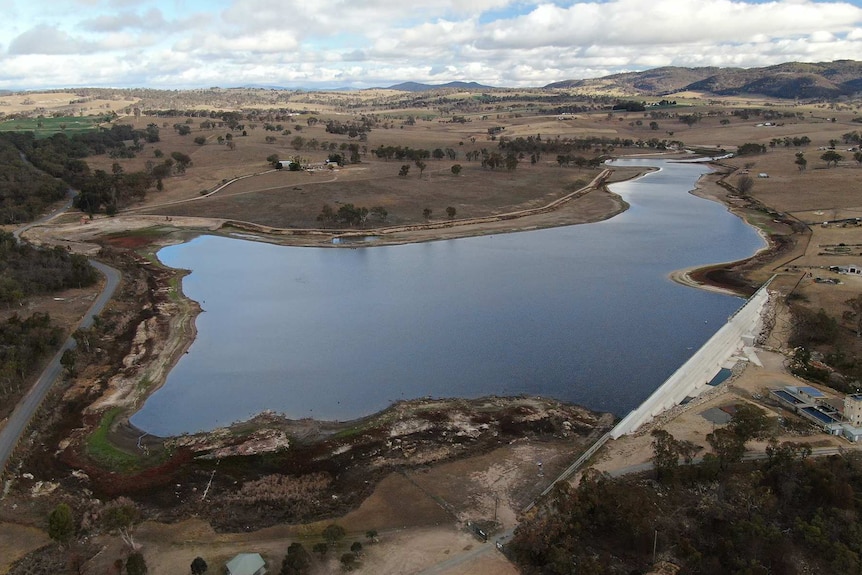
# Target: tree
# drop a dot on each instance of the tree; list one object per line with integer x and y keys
{"x": 856, "y": 312}
{"x": 333, "y": 533}
{"x": 665, "y": 457}
{"x": 199, "y": 566}
{"x": 727, "y": 446}
{"x": 321, "y": 549}
{"x": 135, "y": 564}
{"x": 750, "y": 148}
{"x": 450, "y": 211}
{"x": 356, "y": 548}
{"x": 200, "y": 140}
{"x": 421, "y": 165}
{"x": 426, "y": 213}
{"x": 745, "y": 184}
{"x": 403, "y": 171}
{"x": 380, "y": 213}
{"x": 800, "y": 161}
{"x": 61, "y": 524}
{"x": 273, "y": 160}
{"x": 326, "y": 215}
{"x": 511, "y": 161}
{"x": 231, "y": 145}
{"x": 68, "y": 361}
{"x": 298, "y": 142}
{"x": 653, "y": 125}
{"x": 831, "y": 157}
{"x": 121, "y": 515}
{"x": 690, "y": 119}
{"x": 348, "y": 560}
{"x": 858, "y": 157}
{"x": 749, "y": 422}
{"x": 456, "y": 169}
{"x": 182, "y": 161}
{"x": 667, "y": 451}
{"x": 296, "y": 561}
{"x": 371, "y": 534}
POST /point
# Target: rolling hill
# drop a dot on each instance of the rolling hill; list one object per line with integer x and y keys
{"x": 791, "y": 80}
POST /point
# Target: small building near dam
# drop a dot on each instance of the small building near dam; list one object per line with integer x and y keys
{"x": 813, "y": 405}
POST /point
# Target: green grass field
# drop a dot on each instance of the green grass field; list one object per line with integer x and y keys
{"x": 44, "y": 127}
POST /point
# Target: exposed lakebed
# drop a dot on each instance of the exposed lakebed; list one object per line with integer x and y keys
{"x": 583, "y": 313}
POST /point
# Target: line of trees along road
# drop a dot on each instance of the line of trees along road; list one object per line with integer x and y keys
{"x": 25, "y": 271}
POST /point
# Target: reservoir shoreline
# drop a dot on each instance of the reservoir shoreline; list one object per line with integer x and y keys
{"x": 154, "y": 387}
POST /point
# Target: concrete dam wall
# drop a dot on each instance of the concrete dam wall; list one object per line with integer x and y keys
{"x": 740, "y": 331}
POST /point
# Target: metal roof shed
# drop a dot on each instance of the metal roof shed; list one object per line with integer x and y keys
{"x": 246, "y": 564}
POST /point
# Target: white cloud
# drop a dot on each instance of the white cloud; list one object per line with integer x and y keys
{"x": 375, "y": 42}
{"x": 44, "y": 39}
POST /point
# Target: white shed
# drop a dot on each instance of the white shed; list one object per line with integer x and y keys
{"x": 246, "y": 564}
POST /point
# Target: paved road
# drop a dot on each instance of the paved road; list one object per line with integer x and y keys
{"x": 47, "y": 217}
{"x": 25, "y": 409}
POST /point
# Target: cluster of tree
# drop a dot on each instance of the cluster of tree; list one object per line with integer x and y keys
{"x": 750, "y": 148}
{"x": 689, "y": 119}
{"x": 350, "y": 215}
{"x": 51, "y": 154}
{"x": 831, "y": 157}
{"x": 25, "y": 192}
{"x": 630, "y": 106}
{"x": 120, "y": 516}
{"x": 111, "y": 191}
{"x": 27, "y": 270}
{"x": 352, "y": 129}
{"x": 579, "y": 161}
{"x": 852, "y": 138}
{"x": 774, "y": 516}
{"x": 61, "y": 157}
{"x": 297, "y": 561}
{"x": 787, "y": 141}
{"x": 746, "y": 113}
{"x": 495, "y": 160}
{"x": 537, "y": 144}
{"x": 400, "y": 153}
{"x": 23, "y": 345}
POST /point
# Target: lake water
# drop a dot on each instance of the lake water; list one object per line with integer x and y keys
{"x": 583, "y": 313}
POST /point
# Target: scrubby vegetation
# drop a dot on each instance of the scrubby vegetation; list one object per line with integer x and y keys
{"x": 23, "y": 344}
{"x": 25, "y": 192}
{"x": 61, "y": 156}
{"x": 789, "y": 514}
{"x": 26, "y": 270}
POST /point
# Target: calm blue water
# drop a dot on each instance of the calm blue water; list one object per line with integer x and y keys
{"x": 583, "y": 313}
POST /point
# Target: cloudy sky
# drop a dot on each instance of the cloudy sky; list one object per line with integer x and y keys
{"x": 365, "y": 43}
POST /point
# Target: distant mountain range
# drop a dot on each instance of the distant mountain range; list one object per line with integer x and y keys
{"x": 791, "y": 80}
{"x": 418, "y": 87}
